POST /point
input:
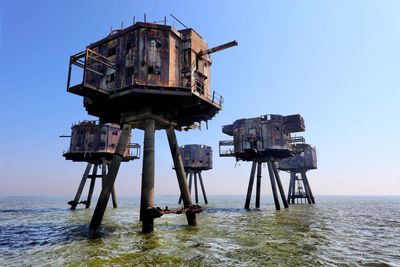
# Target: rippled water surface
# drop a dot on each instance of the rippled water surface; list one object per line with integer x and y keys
{"x": 337, "y": 231}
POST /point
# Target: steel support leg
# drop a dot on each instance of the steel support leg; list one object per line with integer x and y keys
{"x": 147, "y": 195}
{"x": 180, "y": 173}
{"x": 202, "y": 188}
{"x": 91, "y": 188}
{"x": 273, "y": 185}
{"x": 250, "y": 187}
{"x": 111, "y": 175}
{"x": 258, "y": 187}
{"x": 280, "y": 187}
{"x": 81, "y": 186}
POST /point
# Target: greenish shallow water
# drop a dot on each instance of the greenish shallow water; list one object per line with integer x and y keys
{"x": 337, "y": 231}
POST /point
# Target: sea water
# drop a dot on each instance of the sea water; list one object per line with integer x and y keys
{"x": 336, "y": 231}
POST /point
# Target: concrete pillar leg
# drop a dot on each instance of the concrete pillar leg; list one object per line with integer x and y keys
{"x": 81, "y": 186}
{"x": 180, "y": 196}
{"x": 307, "y": 184}
{"x": 289, "y": 194}
{"x": 305, "y": 189}
{"x": 280, "y": 187}
{"x": 91, "y": 188}
{"x": 190, "y": 183}
{"x": 196, "y": 195}
{"x": 258, "y": 185}
{"x": 113, "y": 194}
{"x": 202, "y": 188}
{"x": 294, "y": 189}
{"x": 180, "y": 174}
{"x": 147, "y": 195}
{"x": 273, "y": 185}
{"x": 250, "y": 187}
{"x": 111, "y": 175}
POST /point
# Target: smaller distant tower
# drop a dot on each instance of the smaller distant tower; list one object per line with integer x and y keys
{"x": 196, "y": 158}
{"x": 303, "y": 160}
{"x": 262, "y": 139}
{"x": 95, "y": 144}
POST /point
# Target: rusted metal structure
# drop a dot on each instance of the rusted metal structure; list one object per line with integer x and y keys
{"x": 263, "y": 139}
{"x": 151, "y": 77}
{"x": 303, "y": 160}
{"x": 95, "y": 144}
{"x": 196, "y": 158}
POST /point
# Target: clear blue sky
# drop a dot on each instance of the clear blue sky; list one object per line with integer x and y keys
{"x": 337, "y": 63}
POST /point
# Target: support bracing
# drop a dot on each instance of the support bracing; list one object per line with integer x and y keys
{"x": 110, "y": 178}
{"x": 202, "y": 188}
{"x": 181, "y": 176}
{"x": 280, "y": 187}
{"x": 147, "y": 195}
{"x": 194, "y": 176}
{"x": 75, "y": 202}
{"x": 250, "y": 188}
{"x": 258, "y": 187}
{"x": 273, "y": 185}
{"x": 91, "y": 188}
{"x": 302, "y": 191}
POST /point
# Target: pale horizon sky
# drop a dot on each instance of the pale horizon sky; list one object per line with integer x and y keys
{"x": 337, "y": 63}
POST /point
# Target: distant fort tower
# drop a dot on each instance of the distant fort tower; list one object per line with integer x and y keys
{"x": 304, "y": 159}
{"x": 196, "y": 158}
{"x": 95, "y": 144}
{"x": 262, "y": 139}
{"x": 148, "y": 76}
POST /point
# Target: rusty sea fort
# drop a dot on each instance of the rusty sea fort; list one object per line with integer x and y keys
{"x": 336, "y": 231}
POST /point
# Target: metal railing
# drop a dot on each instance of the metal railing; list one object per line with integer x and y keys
{"x": 226, "y": 148}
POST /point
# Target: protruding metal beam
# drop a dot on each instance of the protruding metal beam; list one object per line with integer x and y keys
{"x": 250, "y": 187}
{"x": 81, "y": 186}
{"x": 147, "y": 196}
{"x": 273, "y": 185}
{"x": 111, "y": 175}
{"x": 180, "y": 174}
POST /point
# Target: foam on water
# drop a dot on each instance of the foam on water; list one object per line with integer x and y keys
{"x": 337, "y": 231}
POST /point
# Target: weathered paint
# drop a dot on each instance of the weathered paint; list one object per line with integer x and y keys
{"x": 262, "y": 137}
{"x": 196, "y": 157}
{"x": 303, "y": 160}
{"x": 148, "y": 66}
{"x": 90, "y": 140}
